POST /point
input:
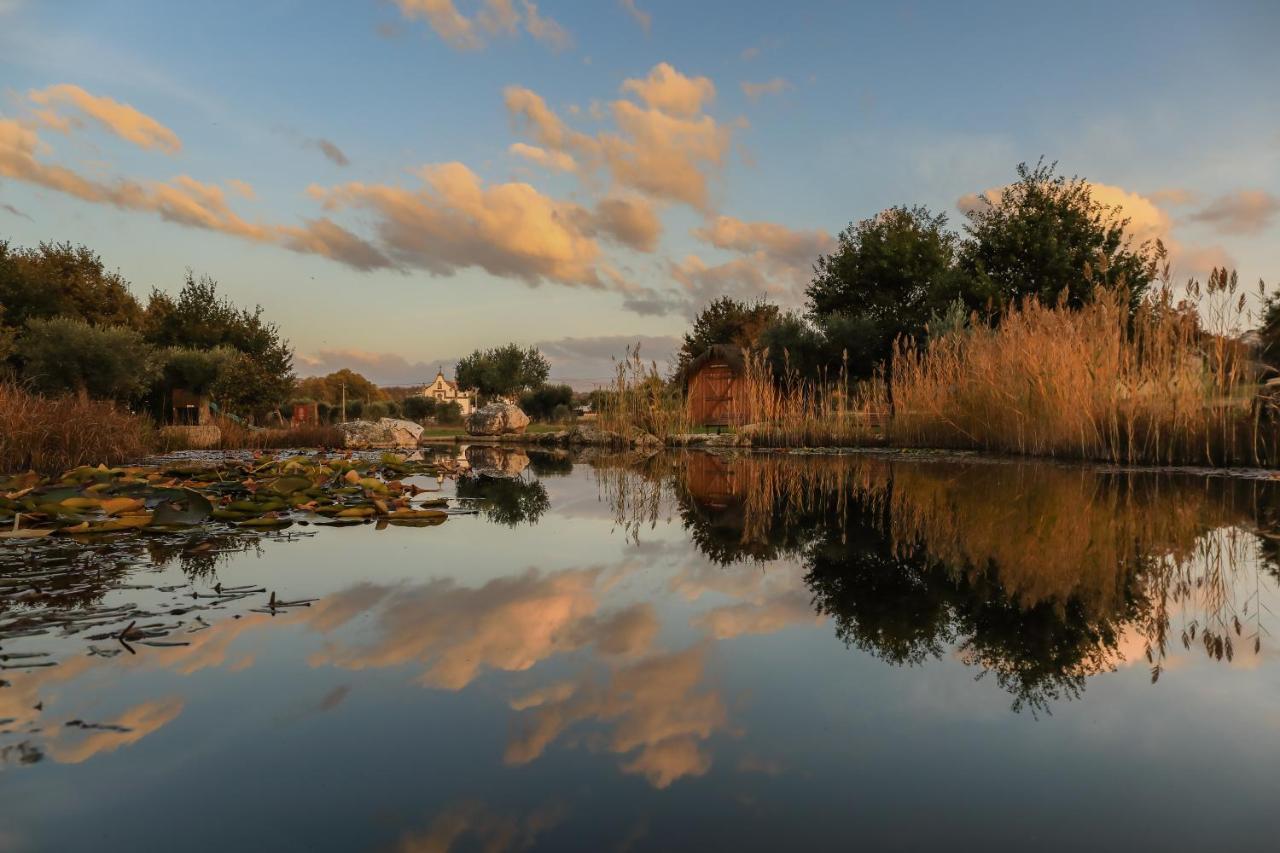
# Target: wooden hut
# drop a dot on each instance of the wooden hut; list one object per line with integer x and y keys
{"x": 716, "y": 387}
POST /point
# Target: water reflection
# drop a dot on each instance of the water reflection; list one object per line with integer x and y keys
{"x": 1038, "y": 575}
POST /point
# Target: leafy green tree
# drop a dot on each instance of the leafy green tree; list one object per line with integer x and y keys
{"x": 541, "y": 403}
{"x": 1047, "y": 237}
{"x": 797, "y": 349}
{"x": 884, "y": 279}
{"x": 503, "y": 371}
{"x": 725, "y": 321}
{"x": 195, "y": 370}
{"x": 449, "y": 413}
{"x": 61, "y": 280}
{"x": 67, "y": 355}
{"x": 199, "y": 318}
{"x": 330, "y": 387}
{"x": 419, "y": 408}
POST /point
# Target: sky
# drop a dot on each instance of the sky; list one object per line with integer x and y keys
{"x": 399, "y": 182}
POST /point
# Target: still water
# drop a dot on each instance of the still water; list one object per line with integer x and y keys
{"x": 682, "y": 651}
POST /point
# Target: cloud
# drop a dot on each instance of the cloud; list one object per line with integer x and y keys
{"x": 662, "y": 147}
{"x": 125, "y": 730}
{"x": 453, "y": 221}
{"x": 332, "y": 152}
{"x": 509, "y": 624}
{"x": 243, "y": 189}
{"x": 556, "y": 160}
{"x": 121, "y": 119}
{"x": 443, "y": 17}
{"x": 631, "y": 222}
{"x": 491, "y": 830}
{"x": 182, "y": 200}
{"x": 379, "y": 367}
{"x": 755, "y": 91}
{"x": 545, "y": 29}
{"x": 1240, "y": 212}
{"x": 586, "y": 362}
{"x": 641, "y": 17}
{"x": 749, "y": 53}
{"x": 668, "y": 90}
{"x": 785, "y": 246}
{"x": 659, "y": 719}
{"x": 1172, "y": 197}
{"x": 496, "y": 17}
{"x": 768, "y": 617}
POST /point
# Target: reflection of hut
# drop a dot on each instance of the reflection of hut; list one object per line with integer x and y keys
{"x": 190, "y": 408}
{"x": 717, "y": 390}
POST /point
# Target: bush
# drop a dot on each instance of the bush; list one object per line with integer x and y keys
{"x": 449, "y": 414}
{"x": 376, "y": 409}
{"x": 419, "y": 408}
{"x": 540, "y": 403}
{"x": 64, "y": 355}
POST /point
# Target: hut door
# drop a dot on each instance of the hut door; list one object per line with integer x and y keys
{"x": 717, "y": 389}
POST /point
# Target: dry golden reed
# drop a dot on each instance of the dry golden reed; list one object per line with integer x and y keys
{"x": 1164, "y": 385}
{"x": 51, "y": 435}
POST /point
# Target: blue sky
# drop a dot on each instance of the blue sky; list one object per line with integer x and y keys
{"x": 172, "y": 135}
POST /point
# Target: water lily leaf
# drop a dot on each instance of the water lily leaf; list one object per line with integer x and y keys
{"x": 25, "y": 533}
{"x": 418, "y": 514}
{"x": 271, "y": 521}
{"x": 196, "y": 509}
{"x": 288, "y": 485}
{"x": 123, "y": 522}
{"x": 416, "y": 522}
{"x": 356, "y": 512}
{"x": 229, "y": 515}
{"x": 119, "y": 506}
{"x": 80, "y": 502}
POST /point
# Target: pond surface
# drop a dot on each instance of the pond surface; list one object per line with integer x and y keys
{"x": 684, "y": 651}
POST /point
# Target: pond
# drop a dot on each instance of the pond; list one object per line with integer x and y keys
{"x": 765, "y": 651}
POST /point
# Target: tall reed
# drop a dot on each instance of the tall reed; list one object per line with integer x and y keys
{"x": 53, "y": 434}
{"x": 641, "y": 400}
{"x": 1168, "y": 384}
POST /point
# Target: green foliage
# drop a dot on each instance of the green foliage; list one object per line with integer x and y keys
{"x": 61, "y": 280}
{"x": 1047, "y": 237}
{"x": 541, "y": 403}
{"x": 884, "y": 279}
{"x": 503, "y": 371}
{"x": 419, "y": 408}
{"x": 66, "y": 355}
{"x": 726, "y": 321}
{"x": 194, "y": 370}
{"x": 376, "y": 409}
{"x": 198, "y": 318}
{"x": 796, "y": 348}
{"x": 449, "y": 413}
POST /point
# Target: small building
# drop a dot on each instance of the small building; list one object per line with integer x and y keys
{"x": 443, "y": 391}
{"x": 716, "y": 387}
{"x": 187, "y": 408}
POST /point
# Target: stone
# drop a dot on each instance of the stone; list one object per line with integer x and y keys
{"x": 382, "y": 433}
{"x": 498, "y": 418}
{"x": 584, "y": 434}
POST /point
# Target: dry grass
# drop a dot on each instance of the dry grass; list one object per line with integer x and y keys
{"x": 52, "y": 435}
{"x": 236, "y": 436}
{"x": 796, "y": 412}
{"x": 1165, "y": 386}
{"x": 641, "y": 400}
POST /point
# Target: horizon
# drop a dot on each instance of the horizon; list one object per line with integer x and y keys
{"x": 595, "y": 175}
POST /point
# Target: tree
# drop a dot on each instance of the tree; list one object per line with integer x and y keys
{"x": 68, "y": 355}
{"x": 541, "y": 403}
{"x": 503, "y": 371}
{"x": 61, "y": 280}
{"x": 449, "y": 413}
{"x": 198, "y": 318}
{"x": 419, "y": 408}
{"x": 796, "y": 348}
{"x": 330, "y": 387}
{"x": 884, "y": 279}
{"x": 725, "y": 321}
{"x": 195, "y": 370}
{"x": 1047, "y": 237}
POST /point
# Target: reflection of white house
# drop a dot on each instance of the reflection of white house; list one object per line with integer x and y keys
{"x": 444, "y": 391}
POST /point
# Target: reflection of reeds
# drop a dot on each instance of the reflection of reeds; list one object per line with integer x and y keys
{"x": 1147, "y": 550}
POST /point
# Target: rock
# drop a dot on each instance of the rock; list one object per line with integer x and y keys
{"x": 385, "y": 432}
{"x": 560, "y": 438}
{"x": 501, "y": 462}
{"x": 704, "y": 439}
{"x": 595, "y": 437}
{"x": 500, "y": 418}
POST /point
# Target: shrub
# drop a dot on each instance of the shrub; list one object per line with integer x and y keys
{"x": 65, "y": 355}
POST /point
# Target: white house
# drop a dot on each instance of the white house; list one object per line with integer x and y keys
{"x": 444, "y": 391}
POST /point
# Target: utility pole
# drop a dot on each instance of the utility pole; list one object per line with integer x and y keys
{"x": 344, "y": 402}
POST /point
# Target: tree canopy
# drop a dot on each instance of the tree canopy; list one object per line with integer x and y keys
{"x": 726, "y": 321}
{"x": 61, "y": 280}
{"x": 503, "y": 371}
{"x": 67, "y": 355}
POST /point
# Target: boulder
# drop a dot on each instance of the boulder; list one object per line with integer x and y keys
{"x": 382, "y": 433}
{"x": 500, "y": 418}
{"x": 584, "y": 434}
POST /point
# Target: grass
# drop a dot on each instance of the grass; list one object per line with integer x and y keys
{"x": 49, "y": 435}
{"x": 236, "y": 436}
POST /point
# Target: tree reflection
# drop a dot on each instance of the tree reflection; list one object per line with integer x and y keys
{"x": 510, "y": 501}
{"x": 1036, "y": 574}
